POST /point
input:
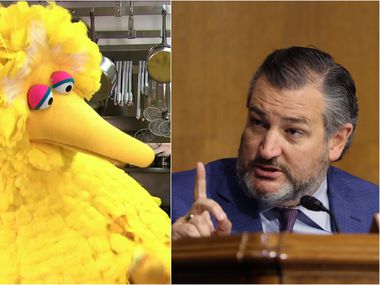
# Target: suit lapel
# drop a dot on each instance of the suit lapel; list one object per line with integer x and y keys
{"x": 241, "y": 210}
{"x": 347, "y": 214}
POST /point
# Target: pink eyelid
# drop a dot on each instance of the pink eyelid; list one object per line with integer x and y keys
{"x": 37, "y": 94}
{"x": 59, "y": 77}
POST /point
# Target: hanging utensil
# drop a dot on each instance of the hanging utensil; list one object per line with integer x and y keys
{"x": 130, "y": 93}
{"x": 109, "y": 73}
{"x": 147, "y": 97}
{"x": 127, "y": 84}
{"x": 168, "y": 97}
{"x": 145, "y": 135}
{"x": 138, "y": 96}
{"x": 159, "y": 57}
{"x": 121, "y": 99}
{"x": 108, "y": 80}
{"x": 130, "y": 84}
{"x": 129, "y": 88}
{"x": 142, "y": 76}
{"x": 117, "y": 89}
{"x": 160, "y": 123}
{"x": 151, "y": 113}
{"x": 165, "y": 113}
{"x": 155, "y": 87}
{"x": 165, "y": 127}
{"x": 122, "y": 78}
{"x": 153, "y": 126}
{"x": 146, "y": 82}
{"x": 119, "y": 82}
{"x": 131, "y": 30}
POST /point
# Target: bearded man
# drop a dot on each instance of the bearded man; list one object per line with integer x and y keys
{"x": 302, "y": 115}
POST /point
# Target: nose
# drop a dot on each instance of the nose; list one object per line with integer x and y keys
{"x": 270, "y": 145}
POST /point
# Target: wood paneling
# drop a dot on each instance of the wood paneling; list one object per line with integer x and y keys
{"x": 277, "y": 258}
{"x": 218, "y": 45}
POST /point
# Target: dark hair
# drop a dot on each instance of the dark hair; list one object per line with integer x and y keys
{"x": 295, "y": 67}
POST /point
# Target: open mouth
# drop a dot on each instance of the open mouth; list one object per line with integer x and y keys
{"x": 266, "y": 171}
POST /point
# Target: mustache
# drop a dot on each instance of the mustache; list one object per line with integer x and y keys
{"x": 270, "y": 162}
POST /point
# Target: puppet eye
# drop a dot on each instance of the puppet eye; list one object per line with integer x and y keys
{"x": 39, "y": 97}
{"x": 62, "y": 82}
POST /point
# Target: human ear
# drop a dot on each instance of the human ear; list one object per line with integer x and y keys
{"x": 338, "y": 141}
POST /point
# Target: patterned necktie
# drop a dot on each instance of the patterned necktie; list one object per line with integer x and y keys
{"x": 287, "y": 219}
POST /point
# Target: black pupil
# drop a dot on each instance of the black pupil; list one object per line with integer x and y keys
{"x": 50, "y": 100}
{"x": 68, "y": 88}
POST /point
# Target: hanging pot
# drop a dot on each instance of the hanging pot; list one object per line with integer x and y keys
{"x": 108, "y": 80}
{"x": 159, "y": 57}
{"x": 109, "y": 73}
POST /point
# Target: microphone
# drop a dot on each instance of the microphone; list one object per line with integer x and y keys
{"x": 313, "y": 204}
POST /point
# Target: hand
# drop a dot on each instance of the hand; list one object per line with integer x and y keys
{"x": 162, "y": 149}
{"x": 197, "y": 222}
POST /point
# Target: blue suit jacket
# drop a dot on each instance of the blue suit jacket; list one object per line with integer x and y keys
{"x": 352, "y": 200}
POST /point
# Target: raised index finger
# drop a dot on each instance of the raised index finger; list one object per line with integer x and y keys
{"x": 200, "y": 182}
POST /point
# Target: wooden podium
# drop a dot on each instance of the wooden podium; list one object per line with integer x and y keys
{"x": 277, "y": 258}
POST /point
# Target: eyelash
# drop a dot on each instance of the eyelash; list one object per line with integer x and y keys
{"x": 292, "y": 132}
{"x": 257, "y": 122}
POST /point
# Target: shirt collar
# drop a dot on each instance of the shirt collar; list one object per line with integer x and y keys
{"x": 322, "y": 219}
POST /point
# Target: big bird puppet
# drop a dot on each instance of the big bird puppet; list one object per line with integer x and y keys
{"x": 67, "y": 214}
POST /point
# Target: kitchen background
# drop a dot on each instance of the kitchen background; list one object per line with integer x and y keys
{"x": 134, "y": 38}
{"x": 218, "y": 46}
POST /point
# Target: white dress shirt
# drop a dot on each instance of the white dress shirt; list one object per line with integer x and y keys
{"x": 308, "y": 222}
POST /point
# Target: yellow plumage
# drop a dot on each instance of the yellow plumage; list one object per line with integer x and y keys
{"x": 66, "y": 216}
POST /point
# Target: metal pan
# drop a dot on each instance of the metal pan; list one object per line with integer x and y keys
{"x": 109, "y": 72}
{"x": 159, "y": 57}
{"x": 108, "y": 80}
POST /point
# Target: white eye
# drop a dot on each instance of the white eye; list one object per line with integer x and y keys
{"x": 62, "y": 82}
{"x": 47, "y": 102}
{"x": 40, "y": 97}
{"x": 64, "y": 87}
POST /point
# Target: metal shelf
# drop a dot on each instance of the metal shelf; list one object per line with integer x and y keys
{"x": 148, "y": 169}
{"x": 117, "y": 9}
{"x": 125, "y": 48}
{"x": 124, "y": 34}
{"x": 106, "y": 8}
{"x": 118, "y": 52}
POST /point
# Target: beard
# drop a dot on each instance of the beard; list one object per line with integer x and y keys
{"x": 293, "y": 189}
